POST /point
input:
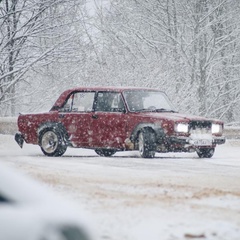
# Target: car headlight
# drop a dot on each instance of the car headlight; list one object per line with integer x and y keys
{"x": 216, "y": 128}
{"x": 181, "y": 127}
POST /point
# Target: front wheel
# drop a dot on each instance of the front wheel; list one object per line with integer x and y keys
{"x": 205, "y": 152}
{"x": 105, "y": 152}
{"x": 146, "y": 144}
{"x": 51, "y": 143}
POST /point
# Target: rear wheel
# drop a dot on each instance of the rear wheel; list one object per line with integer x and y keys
{"x": 105, "y": 152}
{"x": 146, "y": 144}
{"x": 51, "y": 143}
{"x": 205, "y": 152}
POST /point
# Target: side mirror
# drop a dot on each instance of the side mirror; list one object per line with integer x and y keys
{"x": 124, "y": 110}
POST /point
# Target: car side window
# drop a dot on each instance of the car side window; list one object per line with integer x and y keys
{"x": 80, "y": 102}
{"x": 109, "y": 102}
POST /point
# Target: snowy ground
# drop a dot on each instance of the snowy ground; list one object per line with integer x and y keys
{"x": 170, "y": 197}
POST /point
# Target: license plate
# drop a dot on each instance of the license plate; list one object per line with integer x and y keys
{"x": 202, "y": 142}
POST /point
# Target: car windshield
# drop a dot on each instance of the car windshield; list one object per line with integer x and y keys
{"x": 147, "y": 100}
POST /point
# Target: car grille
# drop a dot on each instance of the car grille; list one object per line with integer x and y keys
{"x": 200, "y": 127}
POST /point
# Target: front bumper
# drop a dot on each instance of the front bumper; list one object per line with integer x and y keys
{"x": 191, "y": 142}
{"x": 219, "y": 140}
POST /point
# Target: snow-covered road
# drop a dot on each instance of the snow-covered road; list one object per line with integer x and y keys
{"x": 170, "y": 197}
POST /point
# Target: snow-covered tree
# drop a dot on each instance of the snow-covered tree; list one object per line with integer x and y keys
{"x": 187, "y": 48}
{"x": 33, "y": 33}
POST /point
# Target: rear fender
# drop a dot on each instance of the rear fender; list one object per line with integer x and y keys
{"x": 53, "y": 125}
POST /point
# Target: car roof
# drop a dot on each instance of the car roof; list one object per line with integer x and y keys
{"x": 110, "y": 88}
{"x": 61, "y": 99}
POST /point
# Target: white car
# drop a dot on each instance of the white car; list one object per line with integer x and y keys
{"x": 29, "y": 211}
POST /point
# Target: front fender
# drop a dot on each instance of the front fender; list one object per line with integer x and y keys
{"x": 159, "y": 133}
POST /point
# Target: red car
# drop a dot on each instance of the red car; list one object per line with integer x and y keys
{"x": 118, "y": 119}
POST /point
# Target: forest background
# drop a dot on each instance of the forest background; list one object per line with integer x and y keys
{"x": 188, "y": 48}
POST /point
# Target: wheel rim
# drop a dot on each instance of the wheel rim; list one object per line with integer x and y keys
{"x": 141, "y": 143}
{"x": 49, "y": 142}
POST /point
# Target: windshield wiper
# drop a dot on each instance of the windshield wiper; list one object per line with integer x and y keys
{"x": 154, "y": 110}
{"x": 164, "y": 110}
{"x": 143, "y": 109}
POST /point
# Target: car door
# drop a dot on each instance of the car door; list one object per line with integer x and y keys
{"x": 109, "y": 120}
{"x": 76, "y": 116}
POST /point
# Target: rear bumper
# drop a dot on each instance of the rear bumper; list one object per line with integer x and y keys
{"x": 19, "y": 139}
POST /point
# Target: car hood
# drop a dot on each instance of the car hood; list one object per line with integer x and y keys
{"x": 175, "y": 116}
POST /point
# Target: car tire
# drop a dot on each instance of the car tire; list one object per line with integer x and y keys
{"x": 205, "y": 152}
{"x": 146, "y": 144}
{"x": 52, "y": 143}
{"x": 105, "y": 152}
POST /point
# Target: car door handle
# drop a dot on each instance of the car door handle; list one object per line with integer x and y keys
{"x": 95, "y": 116}
{"x": 61, "y": 116}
